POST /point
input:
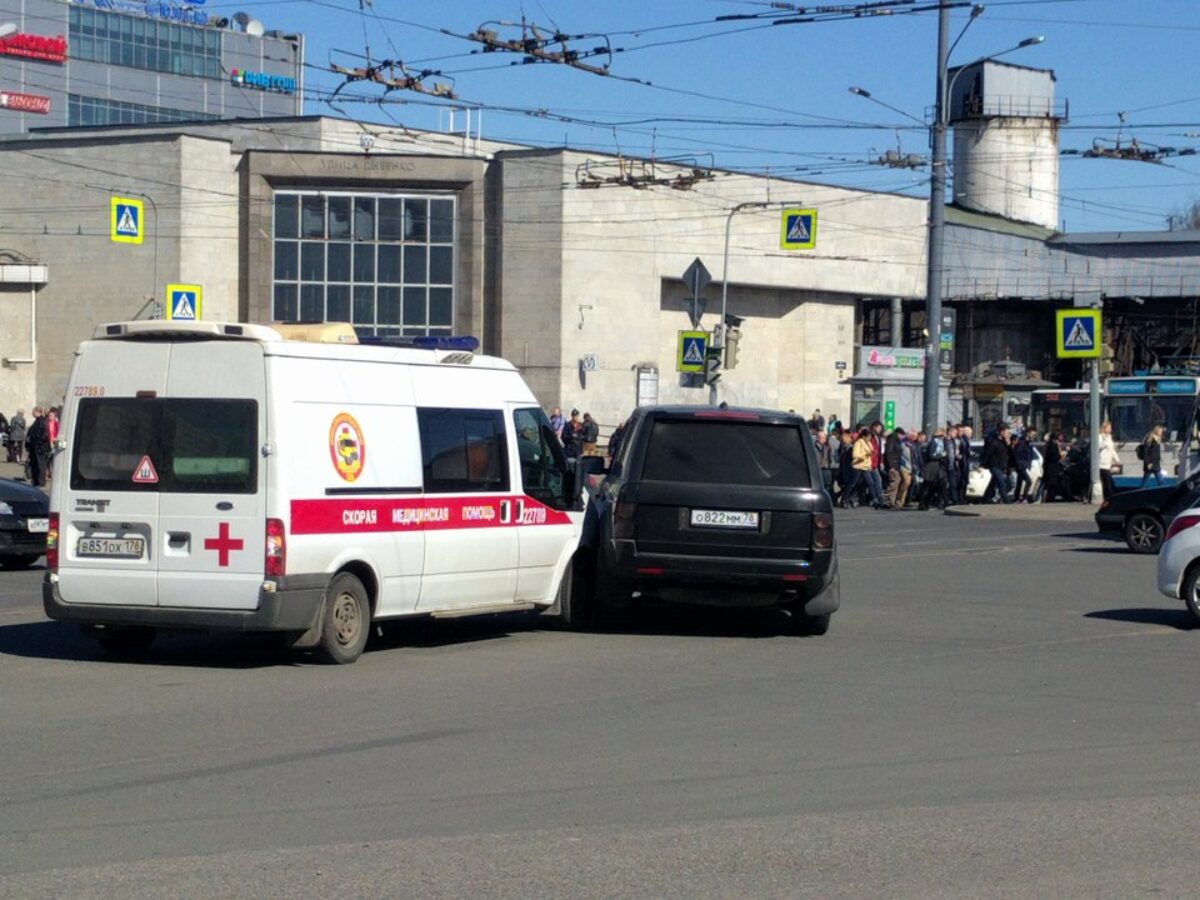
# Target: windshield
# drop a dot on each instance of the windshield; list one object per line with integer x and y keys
{"x": 1056, "y": 412}
{"x": 726, "y": 453}
{"x": 1133, "y": 417}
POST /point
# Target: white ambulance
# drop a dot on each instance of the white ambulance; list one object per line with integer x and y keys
{"x": 223, "y": 476}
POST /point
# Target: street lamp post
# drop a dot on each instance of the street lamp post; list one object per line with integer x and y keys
{"x": 931, "y": 412}
{"x": 937, "y": 207}
{"x": 748, "y": 204}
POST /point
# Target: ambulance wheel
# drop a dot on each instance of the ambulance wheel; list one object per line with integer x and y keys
{"x": 345, "y": 620}
{"x": 573, "y": 606}
{"x": 124, "y": 641}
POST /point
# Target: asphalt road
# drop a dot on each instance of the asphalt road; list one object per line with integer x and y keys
{"x": 1001, "y": 709}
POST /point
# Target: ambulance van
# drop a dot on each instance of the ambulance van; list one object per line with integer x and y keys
{"x": 232, "y": 477}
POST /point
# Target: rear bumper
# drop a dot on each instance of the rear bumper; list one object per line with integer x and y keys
{"x": 807, "y": 579}
{"x": 294, "y": 605}
{"x": 1108, "y": 523}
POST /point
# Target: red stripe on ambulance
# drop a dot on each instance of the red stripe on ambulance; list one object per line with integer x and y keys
{"x": 350, "y": 516}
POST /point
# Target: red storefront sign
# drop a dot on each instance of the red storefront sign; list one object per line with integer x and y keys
{"x": 30, "y": 103}
{"x": 34, "y": 46}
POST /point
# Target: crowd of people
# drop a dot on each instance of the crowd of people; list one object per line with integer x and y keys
{"x": 31, "y": 442}
{"x": 579, "y": 437}
{"x": 899, "y": 468}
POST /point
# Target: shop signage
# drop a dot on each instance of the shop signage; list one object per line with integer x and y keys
{"x": 35, "y": 46}
{"x": 30, "y": 103}
{"x": 896, "y": 359}
{"x": 283, "y": 84}
{"x": 152, "y": 8}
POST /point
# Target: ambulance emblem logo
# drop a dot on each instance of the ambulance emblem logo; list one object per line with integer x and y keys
{"x": 346, "y": 447}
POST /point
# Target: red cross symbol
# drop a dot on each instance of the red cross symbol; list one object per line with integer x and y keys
{"x": 223, "y": 543}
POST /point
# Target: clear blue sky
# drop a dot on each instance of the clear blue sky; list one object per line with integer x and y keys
{"x": 758, "y": 96}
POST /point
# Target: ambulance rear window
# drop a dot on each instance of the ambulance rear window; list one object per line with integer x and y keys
{"x": 170, "y": 445}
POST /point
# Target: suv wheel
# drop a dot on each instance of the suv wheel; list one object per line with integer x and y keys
{"x": 1144, "y": 533}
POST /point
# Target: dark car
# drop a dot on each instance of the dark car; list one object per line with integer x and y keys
{"x": 24, "y": 521}
{"x": 1142, "y": 517}
{"x": 717, "y": 507}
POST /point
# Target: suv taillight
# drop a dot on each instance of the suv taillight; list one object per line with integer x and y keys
{"x": 1181, "y": 523}
{"x": 52, "y": 543}
{"x": 623, "y": 514}
{"x": 822, "y": 531}
{"x": 275, "y": 554}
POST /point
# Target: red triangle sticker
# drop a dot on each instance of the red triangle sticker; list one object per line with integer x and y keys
{"x": 144, "y": 473}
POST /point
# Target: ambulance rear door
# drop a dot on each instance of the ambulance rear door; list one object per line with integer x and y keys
{"x": 212, "y": 492}
{"x": 106, "y": 486}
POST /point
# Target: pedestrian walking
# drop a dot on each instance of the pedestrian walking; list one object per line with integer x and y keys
{"x": 848, "y": 479}
{"x": 16, "y": 437}
{"x": 1022, "y": 460}
{"x": 997, "y": 459}
{"x": 861, "y": 463}
{"x": 892, "y": 451}
{"x": 875, "y": 474}
{"x": 1110, "y": 460}
{"x": 1052, "y": 472}
{"x": 557, "y": 422}
{"x": 907, "y": 452}
{"x": 936, "y": 483}
{"x": 1149, "y": 451}
{"x": 37, "y": 443}
{"x": 953, "y": 479}
{"x": 589, "y": 434}
{"x": 825, "y": 459}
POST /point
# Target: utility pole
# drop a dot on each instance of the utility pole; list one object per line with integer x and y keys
{"x": 931, "y": 411}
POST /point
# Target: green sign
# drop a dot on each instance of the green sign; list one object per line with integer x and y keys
{"x": 889, "y": 415}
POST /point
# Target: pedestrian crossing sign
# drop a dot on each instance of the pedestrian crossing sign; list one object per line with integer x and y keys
{"x": 184, "y": 301}
{"x": 126, "y": 220}
{"x": 690, "y": 351}
{"x": 798, "y": 229}
{"x": 1077, "y": 333}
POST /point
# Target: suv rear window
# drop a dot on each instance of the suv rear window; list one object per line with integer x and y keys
{"x": 716, "y": 452}
{"x": 196, "y": 446}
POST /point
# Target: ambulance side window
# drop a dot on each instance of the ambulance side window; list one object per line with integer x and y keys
{"x": 543, "y": 466}
{"x": 463, "y": 450}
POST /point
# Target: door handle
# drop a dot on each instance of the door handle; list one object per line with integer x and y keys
{"x": 505, "y": 510}
{"x": 178, "y": 539}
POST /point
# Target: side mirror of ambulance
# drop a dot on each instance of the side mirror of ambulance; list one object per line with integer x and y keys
{"x": 589, "y": 472}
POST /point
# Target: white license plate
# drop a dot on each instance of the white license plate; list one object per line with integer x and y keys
{"x": 38, "y": 526}
{"x": 125, "y": 548}
{"x": 723, "y": 518}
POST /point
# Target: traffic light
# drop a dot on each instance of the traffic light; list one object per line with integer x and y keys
{"x": 712, "y": 366}
{"x": 732, "y": 336}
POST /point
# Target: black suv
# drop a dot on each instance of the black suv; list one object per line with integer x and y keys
{"x": 717, "y": 507}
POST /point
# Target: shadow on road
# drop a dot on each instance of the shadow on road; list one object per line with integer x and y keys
{"x": 58, "y": 640}
{"x": 1179, "y": 619}
{"x": 696, "y": 621}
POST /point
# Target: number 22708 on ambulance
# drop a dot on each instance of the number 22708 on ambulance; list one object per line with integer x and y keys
{"x": 225, "y": 477}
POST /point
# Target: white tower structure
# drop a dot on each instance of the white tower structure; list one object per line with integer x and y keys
{"x": 1005, "y": 121}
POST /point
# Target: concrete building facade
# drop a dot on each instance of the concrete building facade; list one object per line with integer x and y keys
{"x": 426, "y": 233}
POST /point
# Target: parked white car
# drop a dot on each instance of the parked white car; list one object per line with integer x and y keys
{"x": 1179, "y": 561}
{"x": 979, "y": 478}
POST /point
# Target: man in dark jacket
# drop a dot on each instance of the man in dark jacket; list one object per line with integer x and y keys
{"x": 893, "y": 448}
{"x": 997, "y": 459}
{"x": 1022, "y": 459}
{"x": 37, "y": 442}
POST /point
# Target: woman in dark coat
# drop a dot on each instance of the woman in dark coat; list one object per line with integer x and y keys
{"x": 1052, "y": 467}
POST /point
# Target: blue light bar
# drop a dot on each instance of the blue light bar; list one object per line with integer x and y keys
{"x": 449, "y": 342}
